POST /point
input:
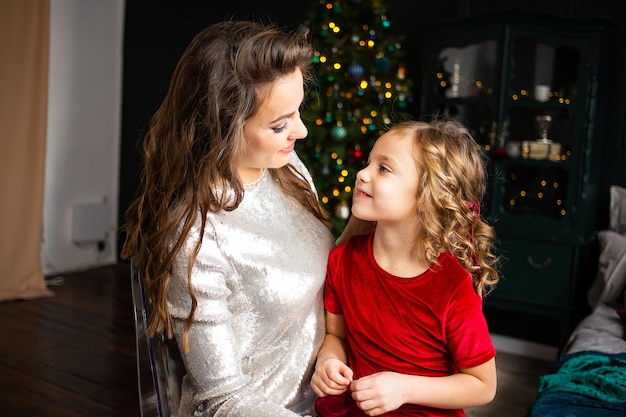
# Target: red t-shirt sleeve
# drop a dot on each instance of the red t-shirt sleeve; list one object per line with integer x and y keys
{"x": 467, "y": 333}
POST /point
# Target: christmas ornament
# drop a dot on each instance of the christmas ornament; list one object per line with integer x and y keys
{"x": 338, "y": 132}
{"x": 356, "y": 70}
{"x": 401, "y": 72}
{"x": 382, "y": 64}
{"x": 342, "y": 210}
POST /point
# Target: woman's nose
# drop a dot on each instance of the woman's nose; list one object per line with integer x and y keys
{"x": 299, "y": 131}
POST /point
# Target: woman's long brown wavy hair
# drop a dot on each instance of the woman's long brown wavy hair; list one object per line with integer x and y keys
{"x": 192, "y": 144}
{"x": 453, "y": 182}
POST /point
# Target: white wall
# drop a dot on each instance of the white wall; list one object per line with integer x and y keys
{"x": 84, "y": 119}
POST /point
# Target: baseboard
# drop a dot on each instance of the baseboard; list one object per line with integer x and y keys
{"x": 521, "y": 347}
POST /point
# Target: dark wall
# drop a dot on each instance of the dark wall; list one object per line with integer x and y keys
{"x": 156, "y": 33}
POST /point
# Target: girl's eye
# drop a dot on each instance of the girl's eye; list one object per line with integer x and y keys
{"x": 280, "y": 128}
{"x": 383, "y": 168}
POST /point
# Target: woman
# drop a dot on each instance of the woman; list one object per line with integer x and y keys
{"x": 227, "y": 230}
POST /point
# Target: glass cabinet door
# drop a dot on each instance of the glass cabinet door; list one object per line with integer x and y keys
{"x": 542, "y": 141}
{"x": 526, "y": 91}
{"x": 467, "y": 78}
{"x": 466, "y": 82}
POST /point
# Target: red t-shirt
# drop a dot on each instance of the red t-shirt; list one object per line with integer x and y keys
{"x": 430, "y": 325}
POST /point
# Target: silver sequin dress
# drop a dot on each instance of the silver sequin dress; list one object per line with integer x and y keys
{"x": 259, "y": 323}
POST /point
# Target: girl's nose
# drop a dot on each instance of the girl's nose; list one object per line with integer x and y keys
{"x": 362, "y": 175}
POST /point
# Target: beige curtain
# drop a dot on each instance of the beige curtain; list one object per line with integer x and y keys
{"x": 24, "y": 36}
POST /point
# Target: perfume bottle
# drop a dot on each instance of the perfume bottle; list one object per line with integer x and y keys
{"x": 542, "y": 148}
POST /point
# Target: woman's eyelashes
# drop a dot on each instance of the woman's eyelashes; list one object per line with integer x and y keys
{"x": 279, "y": 129}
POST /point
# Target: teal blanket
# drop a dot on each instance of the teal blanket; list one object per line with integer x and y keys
{"x": 583, "y": 384}
{"x": 598, "y": 376}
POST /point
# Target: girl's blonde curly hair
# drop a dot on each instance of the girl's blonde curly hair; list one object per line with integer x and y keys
{"x": 453, "y": 180}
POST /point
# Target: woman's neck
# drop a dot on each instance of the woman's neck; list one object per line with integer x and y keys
{"x": 250, "y": 175}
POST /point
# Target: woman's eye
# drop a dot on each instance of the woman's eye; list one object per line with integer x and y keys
{"x": 280, "y": 128}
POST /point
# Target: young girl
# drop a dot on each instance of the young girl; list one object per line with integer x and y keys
{"x": 406, "y": 334}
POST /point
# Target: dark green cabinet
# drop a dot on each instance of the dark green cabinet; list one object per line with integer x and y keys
{"x": 530, "y": 89}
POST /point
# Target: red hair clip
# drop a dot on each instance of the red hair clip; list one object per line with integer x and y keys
{"x": 474, "y": 207}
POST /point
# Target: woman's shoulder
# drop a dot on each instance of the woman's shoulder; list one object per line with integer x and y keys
{"x": 299, "y": 165}
{"x": 297, "y": 162}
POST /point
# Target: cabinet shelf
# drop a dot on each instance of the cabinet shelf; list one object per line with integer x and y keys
{"x": 567, "y": 162}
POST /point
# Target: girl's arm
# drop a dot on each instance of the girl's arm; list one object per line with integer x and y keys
{"x": 386, "y": 391}
{"x": 332, "y": 376}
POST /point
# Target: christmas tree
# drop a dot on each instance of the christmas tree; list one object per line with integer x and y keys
{"x": 361, "y": 88}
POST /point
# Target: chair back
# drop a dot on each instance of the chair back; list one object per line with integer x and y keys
{"x": 160, "y": 367}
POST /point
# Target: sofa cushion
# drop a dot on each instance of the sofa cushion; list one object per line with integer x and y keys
{"x": 617, "y": 218}
{"x": 610, "y": 280}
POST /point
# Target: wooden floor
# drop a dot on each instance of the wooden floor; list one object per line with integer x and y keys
{"x": 73, "y": 354}
{"x": 518, "y": 380}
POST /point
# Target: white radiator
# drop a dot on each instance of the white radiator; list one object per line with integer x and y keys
{"x": 90, "y": 222}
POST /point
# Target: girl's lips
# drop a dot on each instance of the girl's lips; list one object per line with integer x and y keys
{"x": 361, "y": 193}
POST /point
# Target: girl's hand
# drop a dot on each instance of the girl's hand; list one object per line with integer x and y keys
{"x": 378, "y": 393}
{"x": 331, "y": 377}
